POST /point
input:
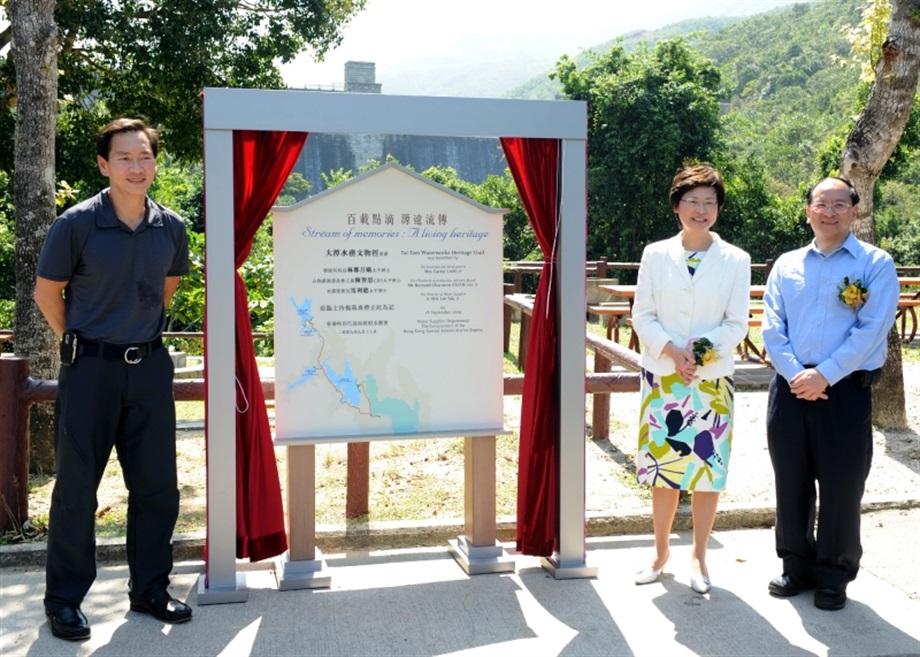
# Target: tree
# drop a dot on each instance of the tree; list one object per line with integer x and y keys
{"x": 7, "y": 253}
{"x": 132, "y": 58}
{"x": 783, "y": 89}
{"x": 898, "y": 224}
{"x": 753, "y": 216}
{"x": 154, "y": 59}
{"x": 34, "y": 49}
{"x": 519, "y": 241}
{"x": 868, "y": 147}
{"x": 649, "y": 111}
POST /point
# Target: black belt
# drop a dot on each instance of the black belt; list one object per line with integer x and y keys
{"x": 131, "y": 354}
{"x": 865, "y": 378}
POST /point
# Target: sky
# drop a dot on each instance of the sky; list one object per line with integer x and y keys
{"x": 394, "y": 33}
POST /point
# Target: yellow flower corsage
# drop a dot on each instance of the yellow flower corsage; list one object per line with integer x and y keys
{"x": 852, "y": 294}
{"x": 704, "y": 352}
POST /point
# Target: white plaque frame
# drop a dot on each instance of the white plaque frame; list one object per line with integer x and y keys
{"x": 226, "y": 110}
{"x": 468, "y": 381}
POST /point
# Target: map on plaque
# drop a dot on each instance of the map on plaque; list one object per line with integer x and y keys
{"x": 388, "y": 311}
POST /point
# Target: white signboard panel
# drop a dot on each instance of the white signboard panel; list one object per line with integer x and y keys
{"x": 388, "y": 312}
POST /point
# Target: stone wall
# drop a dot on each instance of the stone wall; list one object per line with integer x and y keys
{"x": 473, "y": 158}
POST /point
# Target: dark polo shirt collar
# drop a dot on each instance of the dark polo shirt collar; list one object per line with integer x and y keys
{"x": 106, "y": 217}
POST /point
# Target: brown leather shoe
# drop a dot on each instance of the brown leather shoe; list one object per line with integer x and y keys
{"x": 68, "y": 623}
{"x": 164, "y": 607}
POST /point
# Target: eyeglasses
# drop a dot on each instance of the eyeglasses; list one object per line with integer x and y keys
{"x": 835, "y": 208}
{"x": 706, "y": 206}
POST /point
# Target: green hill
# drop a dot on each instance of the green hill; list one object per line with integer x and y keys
{"x": 788, "y": 99}
{"x": 543, "y": 88}
{"x": 784, "y": 92}
{"x": 787, "y": 94}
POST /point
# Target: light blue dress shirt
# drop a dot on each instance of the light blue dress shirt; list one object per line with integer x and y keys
{"x": 805, "y": 323}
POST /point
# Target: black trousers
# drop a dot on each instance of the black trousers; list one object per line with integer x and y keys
{"x": 828, "y": 442}
{"x": 104, "y": 403}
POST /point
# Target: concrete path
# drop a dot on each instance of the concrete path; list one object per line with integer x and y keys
{"x": 419, "y": 602}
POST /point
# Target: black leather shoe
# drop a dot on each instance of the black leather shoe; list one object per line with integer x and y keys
{"x": 164, "y": 607}
{"x": 831, "y": 598}
{"x": 786, "y": 586}
{"x": 68, "y": 623}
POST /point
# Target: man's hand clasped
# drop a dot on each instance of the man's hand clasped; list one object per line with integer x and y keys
{"x": 809, "y": 384}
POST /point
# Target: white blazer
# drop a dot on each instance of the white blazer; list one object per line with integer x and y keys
{"x": 672, "y": 306}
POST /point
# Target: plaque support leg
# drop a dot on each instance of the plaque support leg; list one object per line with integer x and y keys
{"x": 213, "y": 595}
{"x": 302, "y": 566}
{"x": 478, "y": 552}
{"x": 560, "y": 569}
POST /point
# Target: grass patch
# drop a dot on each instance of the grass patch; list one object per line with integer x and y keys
{"x": 600, "y": 330}
{"x": 511, "y": 364}
{"x": 189, "y": 411}
{"x": 412, "y": 479}
{"x": 409, "y": 479}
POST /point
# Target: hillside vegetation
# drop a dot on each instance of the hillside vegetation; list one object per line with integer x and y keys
{"x": 783, "y": 92}
{"x": 543, "y": 87}
{"x": 788, "y": 98}
{"x": 786, "y": 90}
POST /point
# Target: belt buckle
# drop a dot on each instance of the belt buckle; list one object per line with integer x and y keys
{"x": 135, "y": 360}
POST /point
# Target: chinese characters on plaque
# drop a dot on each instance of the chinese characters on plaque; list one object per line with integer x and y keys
{"x": 388, "y": 312}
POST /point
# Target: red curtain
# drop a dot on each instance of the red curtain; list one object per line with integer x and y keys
{"x": 534, "y": 165}
{"x": 262, "y": 162}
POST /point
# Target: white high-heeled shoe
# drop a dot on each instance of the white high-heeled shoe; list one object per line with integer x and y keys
{"x": 700, "y": 583}
{"x": 648, "y": 574}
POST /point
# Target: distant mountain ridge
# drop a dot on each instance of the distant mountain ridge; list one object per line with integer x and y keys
{"x": 541, "y": 87}
{"x": 491, "y": 68}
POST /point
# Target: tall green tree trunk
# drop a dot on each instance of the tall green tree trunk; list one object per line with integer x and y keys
{"x": 34, "y": 49}
{"x": 869, "y": 145}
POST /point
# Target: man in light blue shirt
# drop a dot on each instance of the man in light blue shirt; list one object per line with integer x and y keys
{"x": 828, "y": 308}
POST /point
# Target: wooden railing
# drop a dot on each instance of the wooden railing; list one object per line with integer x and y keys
{"x": 517, "y": 270}
{"x": 18, "y": 391}
{"x": 599, "y": 383}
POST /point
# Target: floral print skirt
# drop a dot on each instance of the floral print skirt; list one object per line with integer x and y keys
{"x": 685, "y": 432}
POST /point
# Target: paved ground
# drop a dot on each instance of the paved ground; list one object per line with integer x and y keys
{"x": 419, "y": 602}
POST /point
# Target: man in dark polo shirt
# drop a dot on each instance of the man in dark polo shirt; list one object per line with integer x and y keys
{"x": 106, "y": 275}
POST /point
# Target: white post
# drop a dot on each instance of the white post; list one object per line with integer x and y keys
{"x": 226, "y": 110}
{"x": 221, "y": 582}
{"x": 569, "y": 561}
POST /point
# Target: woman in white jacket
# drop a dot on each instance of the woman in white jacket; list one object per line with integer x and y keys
{"x": 690, "y": 313}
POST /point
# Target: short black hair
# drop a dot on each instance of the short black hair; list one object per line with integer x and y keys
{"x": 854, "y": 195}
{"x": 104, "y": 139}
